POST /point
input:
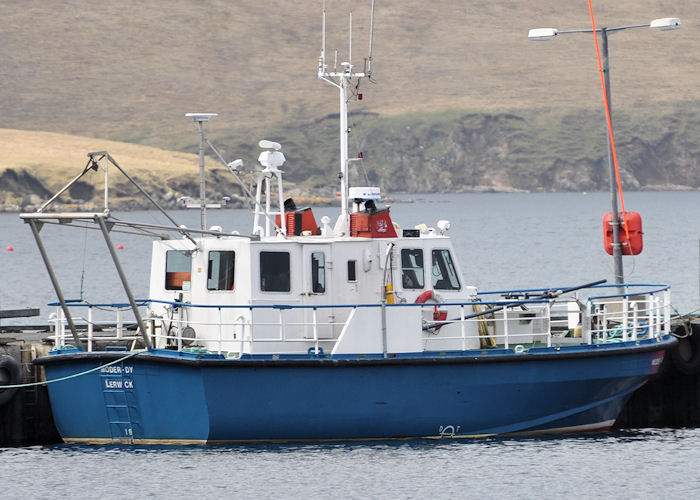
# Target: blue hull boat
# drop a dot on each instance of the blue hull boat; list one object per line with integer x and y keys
{"x": 361, "y": 329}
{"x": 185, "y": 398}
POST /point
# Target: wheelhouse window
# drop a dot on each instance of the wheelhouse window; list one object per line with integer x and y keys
{"x": 178, "y": 270}
{"x": 274, "y": 272}
{"x": 444, "y": 272}
{"x": 318, "y": 272}
{"x": 220, "y": 270}
{"x": 352, "y": 270}
{"x": 412, "y": 275}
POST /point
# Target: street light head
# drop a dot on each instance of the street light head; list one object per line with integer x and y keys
{"x": 542, "y": 34}
{"x": 666, "y": 24}
{"x": 201, "y": 117}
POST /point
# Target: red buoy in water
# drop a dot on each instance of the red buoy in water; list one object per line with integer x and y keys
{"x": 10, "y": 248}
{"x": 120, "y": 247}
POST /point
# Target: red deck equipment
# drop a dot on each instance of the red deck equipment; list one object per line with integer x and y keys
{"x": 372, "y": 224}
{"x": 298, "y": 221}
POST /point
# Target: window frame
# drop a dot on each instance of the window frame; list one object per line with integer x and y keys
{"x": 288, "y": 280}
{"x": 232, "y": 272}
{"x": 450, "y": 263}
{"x": 320, "y": 272}
{"x": 353, "y": 263}
{"x": 177, "y": 274}
{"x": 420, "y": 278}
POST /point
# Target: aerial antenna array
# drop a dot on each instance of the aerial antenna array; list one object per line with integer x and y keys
{"x": 367, "y": 68}
{"x": 341, "y": 80}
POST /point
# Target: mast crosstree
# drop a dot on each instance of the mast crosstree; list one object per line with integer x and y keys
{"x": 341, "y": 80}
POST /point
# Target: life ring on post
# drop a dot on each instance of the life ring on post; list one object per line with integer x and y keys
{"x": 430, "y": 295}
{"x": 10, "y": 374}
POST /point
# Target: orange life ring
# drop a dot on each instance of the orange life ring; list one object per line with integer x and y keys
{"x": 426, "y": 296}
{"x": 437, "y": 314}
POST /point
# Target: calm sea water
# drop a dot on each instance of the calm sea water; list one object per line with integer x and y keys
{"x": 503, "y": 241}
{"x": 632, "y": 464}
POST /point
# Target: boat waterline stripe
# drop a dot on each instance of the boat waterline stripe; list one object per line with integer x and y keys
{"x": 174, "y": 442}
{"x": 600, "y": 426}
{"x": 595, "y": 427}
{"x": 75, "y": 375}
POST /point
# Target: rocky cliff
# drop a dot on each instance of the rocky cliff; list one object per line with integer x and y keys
{"x": 442, "y": 152}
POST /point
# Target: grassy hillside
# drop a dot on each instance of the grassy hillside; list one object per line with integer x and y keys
{"x": 36, "y": 165}
{"x": 460, "y": 98}
{"x": 130, "y": 70}
{"x": 60, "y": 155}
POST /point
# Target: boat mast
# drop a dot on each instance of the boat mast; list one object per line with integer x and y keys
{"x": 341, "y": 80}
{"x": 199, "y": 119}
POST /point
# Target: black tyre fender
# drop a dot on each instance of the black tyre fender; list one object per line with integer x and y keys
{"x": 10, "y": 374}
{"x": 686, "y": 355}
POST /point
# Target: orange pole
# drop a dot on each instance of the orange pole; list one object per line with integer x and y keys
{"x": 607, "y": 115}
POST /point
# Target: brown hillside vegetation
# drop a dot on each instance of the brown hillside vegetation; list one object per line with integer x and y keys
{"x": 460, "y": 97}
{"x": 38, "y": 164}
{"x": 129, "y": 70}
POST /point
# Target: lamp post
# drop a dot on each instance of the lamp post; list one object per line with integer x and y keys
{"x": 544, "y": 34}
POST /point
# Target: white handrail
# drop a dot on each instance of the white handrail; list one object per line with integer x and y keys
{"x": 603, "y": 319}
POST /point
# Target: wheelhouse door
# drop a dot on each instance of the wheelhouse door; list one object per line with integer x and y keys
{"x": 317, "y": 291}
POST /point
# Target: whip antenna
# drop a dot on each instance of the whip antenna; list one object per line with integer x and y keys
{"x": 368, "y": 71}
{"x": 323, "y": 39}
{"x": 350, "y": 44}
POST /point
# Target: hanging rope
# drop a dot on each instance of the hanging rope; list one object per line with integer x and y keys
{"x": 607, "y": 115}
{"x": 75, "y": 375}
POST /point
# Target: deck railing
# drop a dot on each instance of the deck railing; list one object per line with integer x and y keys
{"x": 517, "y": 322}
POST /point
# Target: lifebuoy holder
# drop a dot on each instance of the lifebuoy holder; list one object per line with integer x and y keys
{"x": 431, "y": 296}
